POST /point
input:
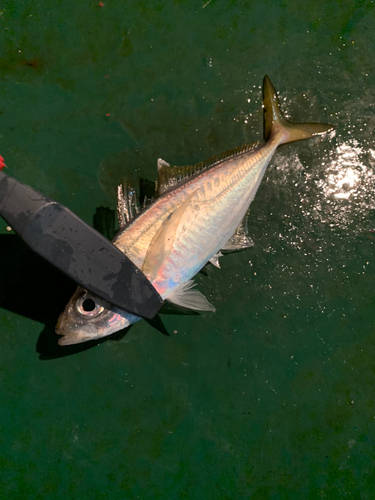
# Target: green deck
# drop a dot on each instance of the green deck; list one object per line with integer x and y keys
{"x": 272, "y": 396}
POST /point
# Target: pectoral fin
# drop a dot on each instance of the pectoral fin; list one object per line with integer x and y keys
{"x": 162, "y": 243}
{"x": 184, "y": 296}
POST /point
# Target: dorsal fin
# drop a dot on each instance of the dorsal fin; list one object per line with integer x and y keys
{"x": 240, "y": 238}
{"x": 127, "y": 207}
{"x": 162, "y": 163}
{"x": 169, "y": 176}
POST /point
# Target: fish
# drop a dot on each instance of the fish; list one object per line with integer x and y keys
{"x": 201, "y": 209}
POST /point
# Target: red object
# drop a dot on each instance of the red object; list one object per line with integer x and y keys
{"x": 2, "y": 163}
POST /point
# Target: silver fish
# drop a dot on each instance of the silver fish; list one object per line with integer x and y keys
{"x": 201, "y": 209}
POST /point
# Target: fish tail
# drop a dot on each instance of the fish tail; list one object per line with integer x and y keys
{"x": 275, "y": 123}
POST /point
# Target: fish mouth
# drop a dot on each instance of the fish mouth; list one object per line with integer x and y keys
{"x": 67, "y": 339}
{"x": 71, "y": 333}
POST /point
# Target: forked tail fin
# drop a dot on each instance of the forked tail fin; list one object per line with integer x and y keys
{"x": 275, "y": 123}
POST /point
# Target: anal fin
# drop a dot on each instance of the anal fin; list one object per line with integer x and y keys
{"x": 215, "y": 259}
{"x": 240, "y": 238}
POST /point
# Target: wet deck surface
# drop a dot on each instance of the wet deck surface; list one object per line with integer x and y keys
{"x": 271, "y": 397}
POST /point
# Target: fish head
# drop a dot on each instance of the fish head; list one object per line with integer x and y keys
{"x": 88, "y": 317}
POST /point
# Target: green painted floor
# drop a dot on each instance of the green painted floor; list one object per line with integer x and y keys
{"x": 272, "y": 396}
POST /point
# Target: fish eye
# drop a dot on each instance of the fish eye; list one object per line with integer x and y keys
{"x": 89, "y": 306}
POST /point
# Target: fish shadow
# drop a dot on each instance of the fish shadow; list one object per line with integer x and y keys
{"x": 34, "y": 289}
{"x": 48, "y": 348}
{"x": 30, "y": 286}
